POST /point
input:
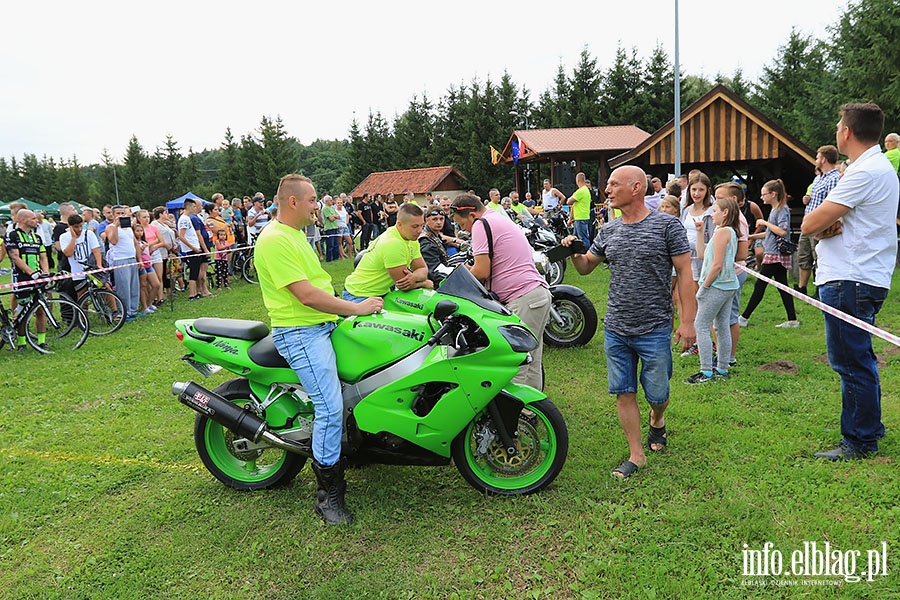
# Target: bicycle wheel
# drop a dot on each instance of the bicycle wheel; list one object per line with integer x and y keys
{"x": 104, "y": 309}
{"x": 249, "y": 271}
{"x": 60, "y": 318}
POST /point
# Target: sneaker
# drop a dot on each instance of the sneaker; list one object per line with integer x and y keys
{"x": 150, "y": 309}
{"x": 44, "y": 346}
{"x": 842, "y": 452}
{"x": 789, "y": 324}
{"x": 129, "y": 319}
{"x": 693, "y": 350}
{"x": 742, "y": 321}
{"x": 733, "y": 362}
{"x": 700, "y": 377}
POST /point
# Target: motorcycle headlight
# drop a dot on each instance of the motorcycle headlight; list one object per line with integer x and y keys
{"x": 519, "y": 338}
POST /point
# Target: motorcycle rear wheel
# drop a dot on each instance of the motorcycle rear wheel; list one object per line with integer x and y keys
{"x": 242, "y": 470}
{"x": 579, "y": 321}
{"x": 542, "y": 444}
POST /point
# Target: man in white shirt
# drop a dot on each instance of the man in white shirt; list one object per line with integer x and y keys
{"x": 551, "y": 197}
{"x": 79, "y": 243}
{"x": 192, "y": 246}
{"x": 123, "y": 253}
{"x": 857, "y": 251}
{"x": 257, "y": 216}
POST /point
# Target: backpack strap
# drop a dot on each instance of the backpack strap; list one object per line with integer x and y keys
{"x": 490, "y": 241}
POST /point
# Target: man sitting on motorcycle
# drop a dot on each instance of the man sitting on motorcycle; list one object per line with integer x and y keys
{"x": 300, "y": 299}
{"x": 504, "y": 259}
{"x": 393, "y": 259}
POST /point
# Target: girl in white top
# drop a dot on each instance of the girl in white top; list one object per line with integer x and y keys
{"x": 698, "y": 207}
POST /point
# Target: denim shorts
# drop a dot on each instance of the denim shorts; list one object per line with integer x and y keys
{"x": 653, "y": 349}
{"x": 343, "y": 230}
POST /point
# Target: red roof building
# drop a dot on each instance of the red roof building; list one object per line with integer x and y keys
{"x": 446, "y": 181}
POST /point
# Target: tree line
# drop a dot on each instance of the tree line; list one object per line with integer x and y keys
{"x": 801, "y": 90}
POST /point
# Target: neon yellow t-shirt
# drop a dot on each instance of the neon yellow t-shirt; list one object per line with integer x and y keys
{"x": 497, "y": 207}
{"x": 581, "y": 209}
{"x": 389, "y": 250}
{"x": 520, "y": 209}
{"x": 283, "y": 256}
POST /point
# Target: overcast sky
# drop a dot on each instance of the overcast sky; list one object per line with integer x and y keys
{"x": 78, "y": 77}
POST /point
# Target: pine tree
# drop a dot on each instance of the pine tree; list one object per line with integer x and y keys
{"x": 583, "y": 93}
{"x": 866, "y": 56}
{"x": 133, "y": 181}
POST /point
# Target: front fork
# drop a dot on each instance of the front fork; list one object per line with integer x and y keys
{"x": 504, "y": 411}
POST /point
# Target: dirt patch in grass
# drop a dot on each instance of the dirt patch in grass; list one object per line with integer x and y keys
{"x": 784, "y": 367}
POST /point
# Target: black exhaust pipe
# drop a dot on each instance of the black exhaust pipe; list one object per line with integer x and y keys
{"x": 206, "y": 402}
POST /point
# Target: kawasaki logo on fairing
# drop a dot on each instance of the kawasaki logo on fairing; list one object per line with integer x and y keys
{"x": 408, "y": 303}
{"x": 410, "y": 333}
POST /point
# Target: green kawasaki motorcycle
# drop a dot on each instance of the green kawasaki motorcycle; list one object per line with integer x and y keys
{"x": 427, "y": 380}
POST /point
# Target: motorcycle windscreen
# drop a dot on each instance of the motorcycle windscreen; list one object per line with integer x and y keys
{"x": 462, "y": 284}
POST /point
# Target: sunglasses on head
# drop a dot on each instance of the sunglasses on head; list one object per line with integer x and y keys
{"x": 455, "y": 209}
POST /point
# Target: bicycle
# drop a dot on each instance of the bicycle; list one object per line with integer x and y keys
{"x": 62, "y": 316}
{"x": 243, "y": 263}
{"x": 104, "y": 308}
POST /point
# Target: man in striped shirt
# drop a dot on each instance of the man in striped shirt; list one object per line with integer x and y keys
{"x": 826, "y": 161}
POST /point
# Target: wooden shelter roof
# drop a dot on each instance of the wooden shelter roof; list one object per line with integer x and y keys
{"x": 417, "y": 181}
{"x": 720, "y": 127}
{"x": 571, "y": 140}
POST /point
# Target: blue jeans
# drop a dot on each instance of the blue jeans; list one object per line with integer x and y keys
{"x": 332, "y": 245}
{"x": 851, "y": 356}
{"x": 352, "y": 298}
{"x": 309, "y": 352}
{"x": 583, "y": 231}
{"x": 654, "y": 349}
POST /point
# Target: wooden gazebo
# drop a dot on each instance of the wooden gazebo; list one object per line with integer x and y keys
{"x": 721, "y": 134}
{"x": 558, "y": 154}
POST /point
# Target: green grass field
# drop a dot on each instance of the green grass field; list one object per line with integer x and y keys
{"x": 102, "y": 494}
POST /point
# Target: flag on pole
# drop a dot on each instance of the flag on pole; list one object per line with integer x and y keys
{"x": 495, "y": 156}
{"x": 521, "y": 146}
{"x": 515, "y": 150}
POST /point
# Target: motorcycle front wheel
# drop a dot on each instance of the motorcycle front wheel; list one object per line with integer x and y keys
{"x": 577, "y": 322}
{"x": 556, "y": 272}
{"x": 542, "y": 443}
{"x": 245, "y": 470}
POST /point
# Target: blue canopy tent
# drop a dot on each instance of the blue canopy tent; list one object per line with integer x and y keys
{"x": 178, "y": 203}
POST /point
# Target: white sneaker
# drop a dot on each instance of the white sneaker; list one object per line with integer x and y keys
{"x": 150, "y": 309}
{"x": 743, "y": 322}
{"x": 789, "y": 324}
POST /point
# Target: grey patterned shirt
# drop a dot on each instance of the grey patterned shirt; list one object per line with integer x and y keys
{"x": 640, "y": 263}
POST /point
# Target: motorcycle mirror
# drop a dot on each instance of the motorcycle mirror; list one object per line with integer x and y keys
{"x": 444, "y": 309}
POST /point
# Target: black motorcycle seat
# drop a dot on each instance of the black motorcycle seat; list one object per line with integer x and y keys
{"x": 265, "y": 354}
{"x": 250, "y": 331}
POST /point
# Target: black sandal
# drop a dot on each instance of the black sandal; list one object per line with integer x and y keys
{"x": 625, "y": 470}
{"x": 657, "y": 435}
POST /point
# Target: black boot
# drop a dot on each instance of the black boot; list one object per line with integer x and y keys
{"x": 330, "y": 496}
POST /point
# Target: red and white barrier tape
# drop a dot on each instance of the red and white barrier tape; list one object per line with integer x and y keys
{"x": 30, "y": 282}
{"x": 887, "y": 336}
